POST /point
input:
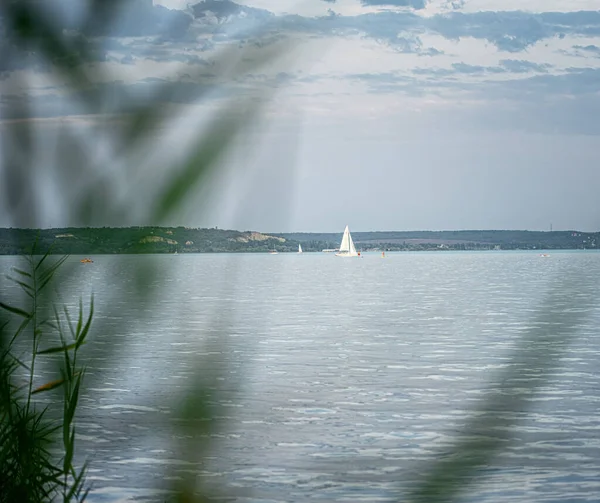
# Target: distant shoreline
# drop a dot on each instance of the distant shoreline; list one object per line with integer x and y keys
{"x": 153, "y": 239}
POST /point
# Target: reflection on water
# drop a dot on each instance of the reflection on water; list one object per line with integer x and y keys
{"x": 352, "y": 374}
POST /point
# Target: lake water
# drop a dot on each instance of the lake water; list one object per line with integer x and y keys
{"x": 340, "y": 379}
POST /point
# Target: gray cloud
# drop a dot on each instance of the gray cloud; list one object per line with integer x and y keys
{"x": 475, "y": 69}
{"x": 515, "y": 31}
{"x": 588, "y": 50}
{"x": 223, "y": 9}
{"x": 415, "y": 4}
{"x": 508, "y": 31}
{"x": 141, "y": 18}
{"x": 522, "y": 66}
{"x": 454, "y": 4}
{"x": 161, "y": 50}
{"x": 218, "y": 8}
{"x": 506, "y": 66}
{"x": 225, "y": 20}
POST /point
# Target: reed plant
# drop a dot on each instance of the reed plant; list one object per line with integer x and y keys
{"x": 37, "y": 450}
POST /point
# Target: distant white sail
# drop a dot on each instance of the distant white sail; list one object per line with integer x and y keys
{"x": 347, "y": 248}
{"x": 299, "y": 248}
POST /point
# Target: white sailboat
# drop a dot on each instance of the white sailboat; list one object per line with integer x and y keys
{"x": 347, "y": 245}
{"x": 299, "y": 248}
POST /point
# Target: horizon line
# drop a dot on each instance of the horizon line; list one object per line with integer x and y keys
{"x": 294, "y": 232}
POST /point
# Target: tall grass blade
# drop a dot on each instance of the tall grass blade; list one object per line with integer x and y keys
{"x": 28, "y": 289}
{"x": 210, "y": 148}
{"x": 44, "y": 257}
{"x": 21, "y": 364}
{"x": 57, "y": 349}
{"x": 69, "y": 323}
{"x": 73, "y": 399}
{"x": 16, "y": 310}
{"x": 22, "y": 272}
{"x": 82, "y": 334}
{"x": 19, "y": 331}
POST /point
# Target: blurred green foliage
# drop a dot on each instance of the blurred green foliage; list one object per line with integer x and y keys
{"x": 32, "y": 471}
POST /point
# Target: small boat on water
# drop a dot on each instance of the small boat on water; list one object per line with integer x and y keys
{"x": 86, "y": 261}
{"x": 347, "y": 248}
{"x": 299, "y": 248}
{"x": 273, "y": 252}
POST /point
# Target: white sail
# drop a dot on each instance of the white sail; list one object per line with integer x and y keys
{"x": 352, "y": 250}
{"x": 299, "y": 248}
{"x": 347, "y": 248}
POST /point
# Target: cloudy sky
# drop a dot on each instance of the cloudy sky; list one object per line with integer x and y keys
{"x": 381, "y": 114}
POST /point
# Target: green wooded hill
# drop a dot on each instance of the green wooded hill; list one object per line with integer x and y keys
{"x": 106, "y": 240}
{"x": 457, "y": 240}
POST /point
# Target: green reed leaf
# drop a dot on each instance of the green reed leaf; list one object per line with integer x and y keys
{"x": 210, "y": 148}
{"x": 21, "y": 364}
{"x": 15, "y": 310}
{"x": 24, "y": 286}
{"x": 83, "y": 333}
{"x": 73, "y": 399}
{"x": 50, "y": 324}
{"x": 22, "y": 272}
{"x": 57, "y": 349}
{"x": 19, "y": 331}
{"x": 75, "y": 490}
{"x": 80, "y": 318}
{"x": 44, "y": 257}
{"x": 49, "y": 271}
{"x": 69, "y": 452}
{"x": 67, "y": 365}
{"x": 69, "y": 323}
